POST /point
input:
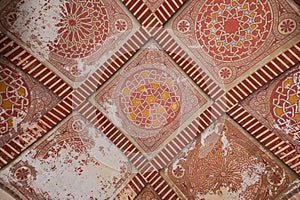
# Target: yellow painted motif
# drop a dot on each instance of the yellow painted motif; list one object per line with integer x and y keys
{"x": 7, "y": 104}
{"x": 169, "y": 82}
{"x": 160, "y": 110}
{"x": 288, "y": 82}
{"x": 145, "y": 74}
{"x": 156, "y": 123}
{"x": 135, "y": 102}
{"x": 150, "y": 99}
{"x": 278, "y": 111}
{"x": 131, "y": 116}
{"x": 165, "y": 95}
{"x": 154, "y": 85}
{"x": 293, "y": 99}
{"x": 174, "y": 106}
{"x": 22, "y": 92}
{"x": 125, "y": 92}
{"x": 140, "y": 88}
{"x": 146, "y": 113}
{"x": 2, "y": 86}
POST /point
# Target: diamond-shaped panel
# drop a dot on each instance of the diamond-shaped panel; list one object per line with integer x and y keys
{"x": 225, "y": 163}
{"x": 231, "y": 39}
{"x": 149, "y": 99}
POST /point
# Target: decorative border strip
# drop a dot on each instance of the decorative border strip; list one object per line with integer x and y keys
{"x": 136, "y": 185}
{"x": 263, "y": 75}
{"x": 114, "y": 63}
{"x": 295, "y": 196}
{"x": 195, "y": 128}
{"x": 18, "y": 144}
{"x": 275, "y": 144}
{"x": 142, "y": 13}
{"x": 160, "y": 185}
{"x": 167, "y": 9}
{"x": 148, "y": 19}
{"x": 22, "y": 59}
{"x": 190, "y": 67}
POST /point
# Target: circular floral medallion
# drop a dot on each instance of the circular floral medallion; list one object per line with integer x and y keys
{"x": 275, "y": 178}
{"x": 78, "y": 125}
{"x": 121, "y": 25}
{"x": 225, "y": 73}
{"x": 178, "y": 171}
{"x": 287, "y": 26}
{"x": 150, "y": 98}
{"x": 183, "y": 26}
{"x": 14, "y": 99}
{"x": 233, "y": 30}
{"x": 23, "y": 173}
{"x": 83, "y": 28}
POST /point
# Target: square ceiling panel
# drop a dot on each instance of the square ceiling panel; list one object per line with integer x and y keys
{"x": 149, "y": 99}
{"x": 75, "y": 37}
{"x": 225, "y": 164}
{"x": 75, "y": 152}
{"x": 231, "y": 39}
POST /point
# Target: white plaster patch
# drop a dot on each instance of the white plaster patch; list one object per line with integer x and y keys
{"x": 35, "y": 30}
{"x": 25, "y": 125}
{"x": 71, "y": 174}
{"x": 16, "y": 122}
{"x": 208, "y": 132}
{"x": 226, "y": 144}
{"x": 112, "y": 114}
{"x": 250, "y": 177}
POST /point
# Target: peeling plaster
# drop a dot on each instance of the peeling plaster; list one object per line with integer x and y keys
{"x": 112, "y": 114}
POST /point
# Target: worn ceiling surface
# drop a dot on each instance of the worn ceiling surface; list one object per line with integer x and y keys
{"x": 150, "y": 99}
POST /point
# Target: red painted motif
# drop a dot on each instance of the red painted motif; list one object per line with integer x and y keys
{"x": 285, "y": 104}
{"x": 83, "y": 28}
{"x": 146, "y": 99}
{"x": 233, "y": 31}
{"x": 14, "y": 100}
{"x": 71, "y": 35}
{"x": 237, "y": 35}
{"x": 151, "y": 98}
{"x": 228, "y": 165}
{"x": 276, "y": 105}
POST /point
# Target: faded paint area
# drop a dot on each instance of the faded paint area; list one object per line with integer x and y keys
{"x": 74, "y": 153}
{"x": 224, "y": 164}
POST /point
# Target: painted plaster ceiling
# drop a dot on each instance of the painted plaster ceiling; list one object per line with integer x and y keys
{"x": 150, "y": 99}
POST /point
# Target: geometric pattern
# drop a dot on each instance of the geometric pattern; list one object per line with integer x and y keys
{"x": 146, "y": 99}
{"x": 233, "y": 38}
{"x": 276, "y": 106}
{"x": 228, "y": 31}
{"x": 76, "y": 155}
{"x": 23, "y": 100}
{"x": 285, "y": 105}
{"x": 72, "y": 36}
{"x": 103, "y": 78}
{"x": 224, "y": 163}
{"x": 15, "y": 99}
{"x": 151, "y": 105}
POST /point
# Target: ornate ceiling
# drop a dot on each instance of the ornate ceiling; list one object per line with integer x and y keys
{"x": 150, "y": 99}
